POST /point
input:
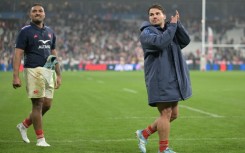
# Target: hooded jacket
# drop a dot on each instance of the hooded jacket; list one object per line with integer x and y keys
{"x": 166, "y": 73}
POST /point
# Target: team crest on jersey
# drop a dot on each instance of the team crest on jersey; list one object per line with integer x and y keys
{"x": 49, "y": 35}
{"x": 35, "y": 36}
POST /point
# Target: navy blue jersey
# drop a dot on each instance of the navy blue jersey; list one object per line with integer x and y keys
{"x": 37, "y": 44}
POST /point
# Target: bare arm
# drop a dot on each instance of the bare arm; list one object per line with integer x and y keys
{"x": 57, "y": 71}
{"x": 16, "y": 65}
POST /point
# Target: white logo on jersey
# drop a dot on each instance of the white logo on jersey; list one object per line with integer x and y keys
{"x": 45, "y": 45}
{"x": 44, "y": 41}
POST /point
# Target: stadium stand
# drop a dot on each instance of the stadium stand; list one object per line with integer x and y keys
{"x": 106, "y": 31}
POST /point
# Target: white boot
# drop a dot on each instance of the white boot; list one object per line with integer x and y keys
{"x": 42, "y": 143}
{"x": 23, "y": 132}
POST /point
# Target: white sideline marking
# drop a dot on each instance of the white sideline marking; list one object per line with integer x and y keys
{"x": 200, "y": 111}
{"x": 130, "y": 139}
{"x": 127, "y": 139}
{"x": 180, "y": 117}
{"x": 130, "y": 90}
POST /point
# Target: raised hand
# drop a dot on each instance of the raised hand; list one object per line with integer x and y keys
{"x": 177, "y": 15}
{"x": 174, "y": 19}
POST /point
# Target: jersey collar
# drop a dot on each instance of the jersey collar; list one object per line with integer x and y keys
{"x": 36, "y": 27}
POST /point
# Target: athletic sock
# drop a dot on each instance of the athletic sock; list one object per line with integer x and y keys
{"x": 27, "y": 122}
{"x": 163, "y": 145}
{"x": 39, "y": 134}
{"x": 148, "y": 131}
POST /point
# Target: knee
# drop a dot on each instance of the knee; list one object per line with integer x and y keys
{"x": 173, "y": 117}
{"x": 47, "y": 103}
{"x": 166, "y": 113}
{"x": 46, "y": 106}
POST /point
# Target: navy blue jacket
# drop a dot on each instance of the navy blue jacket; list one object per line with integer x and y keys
{"x": 166, "y": 73}
{"x": 37, "y": 44}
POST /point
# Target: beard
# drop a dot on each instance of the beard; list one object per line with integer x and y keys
{"x": 38, "y": 22}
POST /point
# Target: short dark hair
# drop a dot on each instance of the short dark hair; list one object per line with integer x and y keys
{"x": 36, "y": 4}
{"x": 156, "y": 6}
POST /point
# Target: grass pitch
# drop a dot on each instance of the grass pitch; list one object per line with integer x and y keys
{"x": 96, "y": 112}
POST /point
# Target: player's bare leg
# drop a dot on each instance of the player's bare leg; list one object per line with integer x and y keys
{"x": 163, "y": 123}
{"x": 143, "y": 135}
{"x": 22, "y": 127}
{"x": 46, "y": 105}
{"x": 174, "y": 115}
{"x": 175, "y": 111}
{"x": 36, "y": 116}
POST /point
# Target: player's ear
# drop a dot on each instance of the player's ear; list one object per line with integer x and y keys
{"x": 164, "y": 17}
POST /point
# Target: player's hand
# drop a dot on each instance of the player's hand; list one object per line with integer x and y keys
{"x": 177, "y": 15}
{"x": 16, "y": 82}
{"x": 58, "y": 82}
{"x": 174, "y": 19}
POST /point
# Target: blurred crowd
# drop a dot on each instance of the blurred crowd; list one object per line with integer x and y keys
{"x": 107, "y": 31}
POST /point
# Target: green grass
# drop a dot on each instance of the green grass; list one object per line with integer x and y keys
{"x": 96, "y": 112}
